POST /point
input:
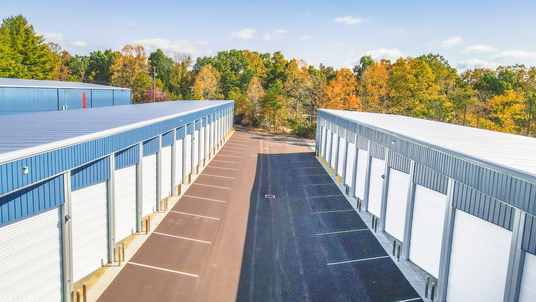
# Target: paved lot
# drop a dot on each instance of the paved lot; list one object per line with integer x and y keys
{"x": 225, "y": 241}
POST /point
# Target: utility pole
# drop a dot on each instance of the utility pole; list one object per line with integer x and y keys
{"x": 154, "y": 82}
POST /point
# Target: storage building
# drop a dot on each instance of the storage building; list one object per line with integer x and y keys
{"x": 24, "y": 96}
{"x": 458, "y": 202}
{"x": 75, "y": 183}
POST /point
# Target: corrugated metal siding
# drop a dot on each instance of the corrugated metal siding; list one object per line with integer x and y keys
{"x": 48, "y": 164}
{"x": 204, "y": 121}
{"x": 362, "y": 143}
{"x": 102, "y": 98}
{"x": 122, "y": 97}
{"x": 197, "y": 125}
{"x": 529, "y": 235}
{"x": 181, "y": 132}
{"x": 431, "y": 179}
{"x": 377, "y": 151}
{"x": 398, "y": 162}
{"x": 190, "y": 128}
{"x": 33, "y": 199}
{"x": 26, "y": 100}
{"x": 91, "y": 173}
{"x": 150, "y": 146}
{"x": 74, "y": 98}
{"x": 167, "y": 139}
{"x": 482, "y": 206}
{"x": 127, "y": 157}
{"x": 350, "y": 137}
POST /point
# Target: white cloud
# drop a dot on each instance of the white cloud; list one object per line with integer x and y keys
{"x": 278, "y": 34}
{"x": 201, "y": 42}
{"x": 305, "y": 38}
{"x": 244, "y": 34}
{"x": 177, "y": 46}
{"x": 80, "y": 44}
{"x": 56, "y": 37}
{"x": 382, "y": 53}
{"x": 349, "y": 20}
{"x": 475, "y": 63}
{"x": 396, "y": 31}
{"x": 340, "y": 44}
{"x": 516, "y": 54}
{"x": 130, "y": 24}
{"x": 479, "y": 48}
{"x": 451, "y": 41}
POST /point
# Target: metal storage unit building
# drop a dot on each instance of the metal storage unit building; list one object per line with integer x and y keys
{"x": 25, "y": 96}
{"x": 73, "y": 184}
{"x": 459, "y": 201}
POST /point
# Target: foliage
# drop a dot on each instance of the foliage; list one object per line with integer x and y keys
{"x": 207, "y": 84}
{"x": 130, "y": 70}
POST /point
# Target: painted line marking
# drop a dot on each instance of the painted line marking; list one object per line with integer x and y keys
{"x": 327, "y": 184}
{"x": 180, "y": 237}
{"x": 408, "y": 300}
{"x": 224, "y": 161}
{"x": 221, "y": 168}
{"x": 204, "y": 198}
{"x": 314, "y": 175}
{"x": 163, "y": 269}
{"x": 231, "y": 151}
{"x": 189, "y": 214}
{"x": 217, "y": 176}
{"x": 334, "y": 211}
{"x": 305, "y": 161}
{"x": 309, "y": 168}
{"x": 230, "y": 156}
{"x": 205, "y": 185}
{"x": 238, "y": 145}
{"x": 235, "y": 148}
{"x": 358, "y": 260}
{"x": 324, "y": 196}
{"x": 339, "y": 232}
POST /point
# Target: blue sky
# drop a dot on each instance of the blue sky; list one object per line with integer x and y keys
{"x": 336, "y": 33}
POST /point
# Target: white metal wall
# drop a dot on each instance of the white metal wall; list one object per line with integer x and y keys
{"x": 397, "y": 196}
{"x": 31, "y": 267}
{"x": 377, "y": 167}
{"x": 334, "y": 151}
{"x": 195, "y": 149}
{"x": 527, "y": 292}
{"x": 149, "y": 184}
{"x": 328, "y": 146}
{"x": 350, "y": 159}
{"x": 478, "y": 260}
{"x": 201, "y": 144}
{"x": 342, "y": 155}
{"x": 427, "y": 229}
{"x": 360, "y": 180}
{"x": 178, "y": 161}
{"x": 125, "y": 202}
{"x": 188, "y": 151}
{"x": 165, "y": 184}
{"x": 89, "y": 229}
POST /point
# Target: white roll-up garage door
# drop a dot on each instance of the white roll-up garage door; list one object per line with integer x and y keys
{"x": 90, "y": 229}
{"x": 125, "y": 202}
{"x": 362, "y": 164}
{"x": 427, "y": 229}
{"x": 478, "y": 260}
{"x": 323, "y": 141}
{"x": 202, "y": 144}
{"x": 188, "y": 152}
{"x": 328, "y": 146}
{"x": 31, "y": 267}
{"x": 207, "y": 140}
{"x": 377, "y": 168}
{"x": 527, "y": 292}
{"x": 165, "y": 185}
{"x": 350, "y": 159}
{"x": 334, "y": 150}
{"x": 397, "y": 197}
{"x": 195, "y": 149}
{"x": 342, "y": 155}
{"x": 178, "y": 162}
{"x": 149, "y": 185}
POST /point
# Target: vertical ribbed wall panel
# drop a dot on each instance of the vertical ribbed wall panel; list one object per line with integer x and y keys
{"x": 430, "y": 179}
{"x": 190, "y": 128}
{"x": 529, "y": 235}
{"x": 482, "y": 206}
{"x": 91, "y": 173}
{"x": 197, "y": 125}
{"x": 122, "y": 97}
{"x": 33, "y": 199}
{"x": 150, "y": 146}
{"x": 377, "y": 151}
{"x": 25, "y": 100}
{"x": 101, "y": 98}
{"x": 362, "y": 143}
{"x": 127, "y": 157}
{"x": 181, "y": 132}
{"x": 167, "y": 139}
{"x": 398, "y": 162}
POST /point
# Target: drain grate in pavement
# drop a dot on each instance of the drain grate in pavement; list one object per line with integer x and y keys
{"x": 271, "y": 196}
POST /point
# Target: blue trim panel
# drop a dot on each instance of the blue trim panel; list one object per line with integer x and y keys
{"x": 197, "y": 125}
{"x": 190, "y": 128}
{"x": 33, "y": 199}
{"x": 150, "y": 146}
{"x": 167, "y": 139}
{"x": 91, "y": 173}
{"x": 204, "y": 121}
{"x": 181, "y": 132}
{"x": 127, "y": 157}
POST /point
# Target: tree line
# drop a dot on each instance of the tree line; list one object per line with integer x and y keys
{"x": 282, "y": 94}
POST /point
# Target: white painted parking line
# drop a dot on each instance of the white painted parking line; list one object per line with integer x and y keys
{"x": 189, "y": 214}
{"x": 217, "y": 176}
{"x": 328, "y": 184}
{"x": 305, "y": 161}
{"x": 408, "y": 300}
{"x": 232, "y": 156}
{"x": 221, "y": 168}
{"x": 335, "y": 211}
{"x": 230, "y": 151}
{"x": 163, "y": 269}
{"x": 236, "y": 144}
{"x": 309, "y": 168}
{"x": 312, "y": 174}
{"x": 180, "y": 237}
{"x": 228, "y": 147}
{"x": 324, "y": 196}
{"x": 205, "y": 185}
{"x": 358, "y": 260}
{"x": 340, "y": 232}
{"x": 225, "y": 161}
{"x": 204, "y": 198}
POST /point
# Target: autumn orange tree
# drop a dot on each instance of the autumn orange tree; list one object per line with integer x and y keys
{"x": 341, "y": 93}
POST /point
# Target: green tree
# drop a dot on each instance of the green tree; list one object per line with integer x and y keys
{"x": 272, "y": 106}
{"x": 77, "y": 66}
{"x": 130, "y": 70}
{"x": 23, "y": 54}
{"x": 100, "y": 65}
{"x": 360, "y": 69}
{"x": 163, "y": 66}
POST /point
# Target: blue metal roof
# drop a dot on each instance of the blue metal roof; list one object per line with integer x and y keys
{"x": 55, "y": 129}
{"x": 9, "y": 82}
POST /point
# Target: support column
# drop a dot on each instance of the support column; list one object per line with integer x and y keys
{"x": 139, "y": 189}
{"x": 409, "y": 213}
{"x": 159, "y": 173}
{"x": 517, "y": 258}
{"x": 111, "y": 210}
{"x": 385, "y": 189}
{"x": 446, "y": 244}
{"x": 367, "y": 179}
{"x": 174, "y": 163}
{"x": 67, "y": 239}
